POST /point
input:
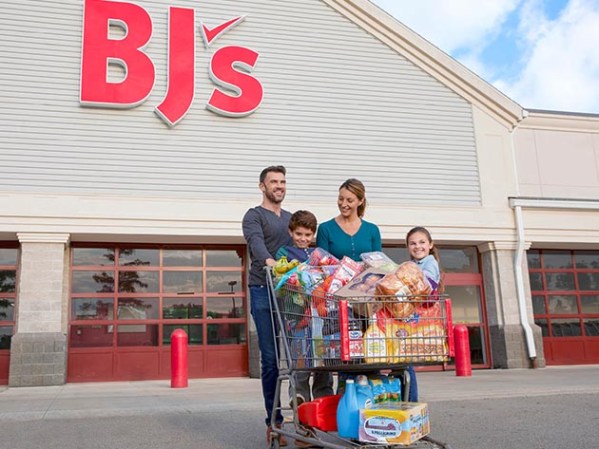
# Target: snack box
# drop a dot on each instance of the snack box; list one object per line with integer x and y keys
{"x": 400, "y": 423}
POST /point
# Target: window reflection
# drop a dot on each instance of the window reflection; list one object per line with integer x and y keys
{"x": 223, "y": 281}
{"x": 588, "y": 281}
{"x": 533, "y": 258}
{"x": 465, "y": 302}
{"x": 542, "y": 323}
{"x": 182, "y": 281}
{"x": 223, "y": 258}
{"x": 139, "y": 281}
{"x": 8, "y": 281}
{"x": 139, "y": 257}
{"x": 557, "y": 259}
{"x": 182, "y": 308}
{"x": 562, "y": 304}
{"x": 193, "y": 331}
{"x": 8, "y": 256}
{"x": 223, "y": 307}
{"x": 590, "y": 303}
{"x": 138, "y": 309}
{"x": 7, "y": 309}
{"x": 459, "y": 260}
{"x": 560, "y": 281}
{"x": 226, "y": 334}
{"x": 565, "y": 327}
{"x": 93, "y": 282}
{"x": 591, "y": 327}
{"x": 536, "y": 281}
{"x": 93, "y": 256}
{"x": 182, "y": 258}
{"x": 5, "y": 336}
{"x": 587, "y": 259}
{"x": 538, "y": 305}
{"x": 92, "y": 309}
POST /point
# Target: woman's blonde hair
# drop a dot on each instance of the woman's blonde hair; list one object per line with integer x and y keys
{"x": 356, "y": 187}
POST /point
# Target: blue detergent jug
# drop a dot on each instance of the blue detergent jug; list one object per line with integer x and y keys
{"x": 348, "y": 412}
{"x": 364, "y": 392}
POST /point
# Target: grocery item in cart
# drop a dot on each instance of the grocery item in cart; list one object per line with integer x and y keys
{"x": 321, "y": 257}
{"x": 410, "y": 342}
{"x": 394, "y": 423}
{"x": 407, "y": 282}
{"x": 375, "y": 343}
{"x": 378, "y": 259}
{"x": 346, "y": 271}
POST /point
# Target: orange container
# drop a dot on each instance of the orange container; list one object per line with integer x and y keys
{"x": 320, "y": 413}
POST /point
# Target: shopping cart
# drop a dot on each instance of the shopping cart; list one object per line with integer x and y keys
{"x": 323, "y": 332}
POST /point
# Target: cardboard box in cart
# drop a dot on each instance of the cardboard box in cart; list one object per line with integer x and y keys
{"x": 394, "y": 423}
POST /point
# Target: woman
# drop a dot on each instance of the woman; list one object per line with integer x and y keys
{"x": 348, "y": 234}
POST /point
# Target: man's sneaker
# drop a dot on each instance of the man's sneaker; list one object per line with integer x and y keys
{"x": 269, "y": 436}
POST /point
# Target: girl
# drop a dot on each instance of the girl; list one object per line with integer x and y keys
{"x": 423, "y": 252}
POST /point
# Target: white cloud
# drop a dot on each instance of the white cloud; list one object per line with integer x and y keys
{"x": 562, "y": 68}
{"x": 558, "y": 67}
{"x": 452, "y": 25}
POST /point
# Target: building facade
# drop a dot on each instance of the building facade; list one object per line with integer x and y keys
{"x": 132, "y": 137}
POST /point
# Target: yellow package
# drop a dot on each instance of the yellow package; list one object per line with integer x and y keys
{"x": 413, "y": 343}
{"x": 375, "y": 345}
{"x": 400, "y": 423}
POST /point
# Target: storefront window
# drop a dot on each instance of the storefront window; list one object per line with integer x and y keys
{"x": 93, "y": 256}
{"x": 182, "y": 258}
{"x": 226, "y": 334}
{"x": 182, "y": 308}
{"x": 159, "y": 290}
{"x": 138, "y": 257}
{"x": 553, "y": 260}
{"x": 566, "y": 304}
{"x": 139, "y": 281}
{"x": 466, "y": 303}
{"x": 92, "y": 309}
{"x": 8, "y": 289}
{"x": 182, "y": 282}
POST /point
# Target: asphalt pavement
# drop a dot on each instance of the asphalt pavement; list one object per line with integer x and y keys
{"x": 103, "y": 399}
{"x": 548, "y": 408}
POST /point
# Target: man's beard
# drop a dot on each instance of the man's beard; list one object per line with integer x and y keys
{"x": 272, "y": 198}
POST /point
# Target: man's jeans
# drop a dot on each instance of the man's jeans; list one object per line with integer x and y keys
{"x": 260, "y": 309}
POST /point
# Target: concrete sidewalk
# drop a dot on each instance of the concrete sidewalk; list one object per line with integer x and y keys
{"x": 81, "y": 400}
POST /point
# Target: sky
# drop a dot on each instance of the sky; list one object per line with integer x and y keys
{"x": 543, "y": 54}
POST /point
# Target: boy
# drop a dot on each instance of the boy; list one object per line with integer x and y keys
{"x": 302, "y": 227}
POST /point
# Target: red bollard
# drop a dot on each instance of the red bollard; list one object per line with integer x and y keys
{"x": 463, "y": 364}
{"x": 179, "y": 359}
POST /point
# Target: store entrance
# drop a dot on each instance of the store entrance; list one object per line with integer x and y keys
{"x": 126, "y": 301}
{"x": 565, "y": 296}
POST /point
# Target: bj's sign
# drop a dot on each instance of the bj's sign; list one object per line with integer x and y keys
{"x": 236, "y": 94}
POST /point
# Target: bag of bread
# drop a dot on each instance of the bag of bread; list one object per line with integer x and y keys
{"x": 400, "y": 288}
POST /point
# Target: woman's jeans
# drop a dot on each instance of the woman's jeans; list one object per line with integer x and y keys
{"x": 263, "y": 318}
{"x": 413, "y": 395}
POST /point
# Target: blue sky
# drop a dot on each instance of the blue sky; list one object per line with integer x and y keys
{"x": 544, "y": 54}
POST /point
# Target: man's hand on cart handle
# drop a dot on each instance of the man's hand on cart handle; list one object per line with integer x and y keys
{"x": 270, "y": 262}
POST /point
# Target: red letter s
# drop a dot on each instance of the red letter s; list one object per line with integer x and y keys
{"x": 247, "y": 89}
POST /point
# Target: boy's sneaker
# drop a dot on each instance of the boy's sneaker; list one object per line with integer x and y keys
{"x": 299, "y": 398}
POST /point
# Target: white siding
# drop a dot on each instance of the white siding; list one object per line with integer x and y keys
{"x": 338, "y": 103}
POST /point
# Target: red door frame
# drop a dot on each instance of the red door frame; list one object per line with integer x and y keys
{"x": 5, "y": 353}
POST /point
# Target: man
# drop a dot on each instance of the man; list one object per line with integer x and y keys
{"x": 265, "y": 228}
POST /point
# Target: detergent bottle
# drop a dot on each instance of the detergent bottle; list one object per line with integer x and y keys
{"x": 348, "y": 412}
{"x": 364, "y": 392}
